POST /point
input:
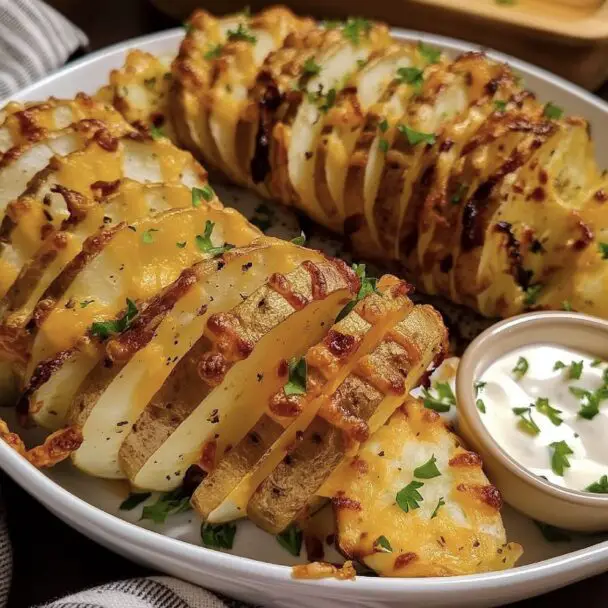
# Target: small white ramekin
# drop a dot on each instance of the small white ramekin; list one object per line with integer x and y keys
{"x": 530, "y": 494}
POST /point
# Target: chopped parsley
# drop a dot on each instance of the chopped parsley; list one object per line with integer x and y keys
{"x": 442, "y": 401}
{"x": 600, "y": 486}
{"x": 382, "y": 545}
{"x": 291, "y": 539}
{"x": 590, "y": 401}
{"x": 553, "y": 534}
{"x": 559, "y": 460}
{"x": 500, "y": 105}
{"x": 204, "y": 244}
{"x": 169, "y": 503}
{"x": 241, "y": 33}
{"x": 603, "y": 247}
{"x": 521, "y": 368}
{"x": 331, "y": 24}
{"x": 461, "y": 190}
{"x": 150, "y": 83}
{"x": 596, "y": 363}
{"x": 214, "y": 52}
{"x": 104, "y": 329}
{"x": 481, "y": 406}
{"x": 429, "y": 53}
{"x": 575, "y": 370}
{"x": 384, "y": 145}
{"x": 133, "y": 500}
{"x": 199, "y": 194}
{"x": 324, "y": 101}
{"x": 416, "y": 137}
{"x": 526, "y": 422}
{"x": 218, "y": 536}
{"x": 299, "y": 240}
{"x": 180, "y": 244}
{"x": 311, "y": 67}
{"x": 440, "y": 503}
{"x": 559, "y": 365}
{"x": 566, "y": 306}
{"x": 296, "y": 383}
{"x": 368, "y": 286}
{"x": 85, "y": 303}
{"x": 408, "y": 497}
{"x": 552, "y": 111}
{"x": 147, "y": 236}
{"x": 413, "y": 76}
{"x": 479, "y": 386}
{"x": 428, "y": 470}
{"x": 355, "y": 28}
{"x": 156, "y": 132}
{"x": 532, "y": 294}
{"x": 543, "y": 407}
{"x": 383, "y": 125}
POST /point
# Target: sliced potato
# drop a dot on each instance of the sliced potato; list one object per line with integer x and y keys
{"x": 207, "y": 402}
{"x": 452, "y": 525}
{"x": 328, "y": 363}
{"x": 360, "y": 405}
{"x": 124, "y": 263}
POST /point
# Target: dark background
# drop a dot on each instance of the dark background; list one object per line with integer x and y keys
{"x": 51, "y": 559}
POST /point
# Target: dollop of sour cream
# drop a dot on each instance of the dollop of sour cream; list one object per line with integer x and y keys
{"x": 547, "y": 407}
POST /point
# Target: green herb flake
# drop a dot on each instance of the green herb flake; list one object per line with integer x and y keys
{"x": 156, "y": 132}
{"x": 85, "y": 303}
{"x": 575, "y": 370}
{"x": 429, "y": 53}
{"x": 296, "y": 383}
{"x": 440, "y": 504}
{"x": 105, "y": 329}
{"x": 147, "y": 236}
{"x": 150, "y": 83}
{"x": 500, "y": 105}
{"x": 188, "y": 27}
{"x": 596, "y": 363}
{"x": 169, "y": 503}
{"x": 603, "y": 248}
{"x": 408, "y": 497}
{"x": 180, "y": 244}
{"x": 291, "y": 539}
{"x": 204, "y": 244}
{"x": 330, "y": 100}
{"x": 416, "y": 137}
{"x": 457, "y": 197}
{"x": 368, "y": 286}
{"x": 299, "y": 240}
{"x": 481, "y": 406}
{"x": 133, "y": 500}
{"x": 552, "y": 111}
{"x": 442, "y": 401}
{"x": 413, "y": 76}
{"x": 600, "y": 486}
{"x": 382, "y": 545}
{"x": 521, "y": 368}
{"x": 553, "y": 534}
{"x": 199, "y": 194}
{"x": 331, "y": 24}
{"x": 214, "y": 52}
{"x": 543, "y": 407}
{"x": 355, "y": 28}
{"x": 479, "y": 386}
{"x": 241, "y": 33}
{"x": 526, "y": 422}
{"x": 218, "y": 536}
{"x": 590, "y": 401}
{"x": 384, "y": 145}
{"x": 311, "y": 67}
{"x": 428, "y": 470}
{"x": 506, "y": 2}
{"x": 559, "y": 460}
{"x": 566, "y": 306}
{"x": 559, "y": 365}
{"x": 532, "y": 293}
{"x": 383, "y": 125}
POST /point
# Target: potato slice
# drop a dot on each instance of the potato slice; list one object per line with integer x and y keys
{"x": 127, "y": 262}
{"x": 112, "y": 396}
{"x": 452, "y": 525}
{"x": 208, "y": 402}
{"x": 35, "y": 122}
{"x": 225, "y": 494}
{"x": 360, "y": 405}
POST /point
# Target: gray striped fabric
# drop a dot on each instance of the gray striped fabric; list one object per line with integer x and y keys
{"x": 34, "y": 41}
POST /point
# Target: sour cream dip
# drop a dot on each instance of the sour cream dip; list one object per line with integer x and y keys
{"x": 547, "y": 407}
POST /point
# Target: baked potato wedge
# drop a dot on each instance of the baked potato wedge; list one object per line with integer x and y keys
{"x": 447, "y": 524}
{"x": 207, "y": 404}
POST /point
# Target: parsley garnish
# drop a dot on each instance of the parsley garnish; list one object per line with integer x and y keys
{"x": 383, "y": 145}
{"x": 368, "y": 286}
{"x": 428, "y": 470}
{"x": 479, "y": 386}
{"x": 552, "y": 111}
{"x": 590, "y": 402}
{"x": 416, "y": 137}
{"x": 408, "y": 497}
{"x": 559, "y": 365}
{"x": 413, "y": 76}
{"x": 603, "y": 247}
{"x": 429, "y": 53}
{"x": 199, "y": 194}
{"x": 214, "y": 52}
{"x": 532, "y": 294}
{"x": 481, "y": 406}
{"x": 596, "y": 363}
{"x": 383, "y": 125}
{"x": 440, "y": 504}
{"x": 461, "y": 190}
{"x": 382, "y": 545}
{"x": 559, "y": 460}
{"x": 133, "y": 500}
{"x": 204, "y": 244}
{"x": 296, "y": 384}
{"x": 156, "y": 132}
{"x": 527, "y": 425}
{"x": 355, "y": 27}
{"x": 543, "y": 407}
{"x": 553, "y": 534}
{"x": 331, "y": 24}
{"x": 330, "y": 100}
{"x": 241, "y": 33}
{"x": 147, "y": 236}
{"x": 500, "y": 105}
{"x": 104, "y": 329}
{"x": 442, "y": 401}
{"x": 85, "y": 303}
{"x": 150, "y": 82}
{"x": 566, "y": 306}
{"x": 299, "y": 240}
{"x": 291, "y": 539}
{"x": 218, "y": 536}
{"x": 575, "y": 371}
{"x": 600, "y": 486}
{"x": 180, "y": 244}
{"x": 521, "y": 368}
{"x": 311, "y": 67}
{"x": 169, "y": 503}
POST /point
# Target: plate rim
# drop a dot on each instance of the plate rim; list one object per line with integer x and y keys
{"x": 575, "y": 565}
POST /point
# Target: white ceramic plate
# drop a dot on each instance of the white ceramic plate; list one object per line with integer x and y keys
{"x": 256, "y": 570}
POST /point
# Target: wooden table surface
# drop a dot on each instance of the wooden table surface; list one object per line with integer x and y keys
{"x": 51, "y": 559}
